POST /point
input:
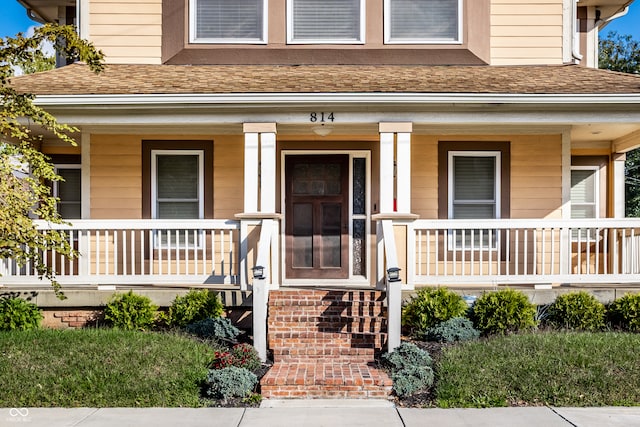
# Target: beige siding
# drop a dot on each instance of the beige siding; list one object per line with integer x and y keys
{"x": 536, "y": 182}
{"x": 116, "y": 177}
{"x": 127, "y": 31}
{"x": 526, "y": 32}
{"x": 228, "y": 176}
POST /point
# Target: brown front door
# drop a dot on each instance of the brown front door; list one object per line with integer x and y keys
{"x": 317, "y": 205}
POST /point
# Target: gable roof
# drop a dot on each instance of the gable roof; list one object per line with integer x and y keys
{"x": 77, "y": 79}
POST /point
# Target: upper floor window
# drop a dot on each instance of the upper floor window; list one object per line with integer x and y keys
{"x": 423, "y": 21}
{"x": 325, "y": 21}
{"x": 228, "y": 21}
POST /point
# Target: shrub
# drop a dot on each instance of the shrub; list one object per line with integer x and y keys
{"x": 230, "y": 382}
{"x": 196, "y": 305}
{"x": 406, "y": 355}
{"x": 625, "y": 312}
{"x": 218, "y": 328}
{"x": 577, "y": 310}
{"x": 411, "y": 380}
{"x": 452, "y": 330}
{"x": 430, "y": 307}
{"x": 240, "y": 356}
{"x": 18, "y": 314}
{"x": 130, "y": 311}
{"x": 503, "y": 311}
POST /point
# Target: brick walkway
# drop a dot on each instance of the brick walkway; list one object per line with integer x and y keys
{"x": 324, "y": 343}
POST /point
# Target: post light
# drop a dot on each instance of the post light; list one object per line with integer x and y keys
{"x": 258, "y": 272}
{"x": 393, "y": 274}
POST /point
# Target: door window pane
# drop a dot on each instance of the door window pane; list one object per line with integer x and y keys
{"x": 302, "y": 238}
{"x": 331, "y": 235}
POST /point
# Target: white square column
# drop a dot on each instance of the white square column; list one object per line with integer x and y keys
{"x": 395, "y": 167}
{"x": 259, "y": 167}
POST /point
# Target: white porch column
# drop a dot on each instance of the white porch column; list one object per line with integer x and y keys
{"x": 618, "y": 185}
{"x": 565, "y": 241}
{"x": 395, "y": 153}
{"x": 259, "y": 155}
{"x": 85, "y": 173}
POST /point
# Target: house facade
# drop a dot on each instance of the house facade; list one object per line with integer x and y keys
{"x": 343, "y": 143}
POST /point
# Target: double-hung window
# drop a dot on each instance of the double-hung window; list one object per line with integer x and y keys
{"x": 474, "y": 193}
{"x": 325, "y": 21}
{"x": 584, "y": 197}
{"x": 177, "y": 191}
{"x": 228, "y": 21}
{"x": 68, "y": 191}
{"x": 423, "y": 21}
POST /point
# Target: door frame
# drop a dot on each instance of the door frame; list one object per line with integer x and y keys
{"x": 357, "y": 280}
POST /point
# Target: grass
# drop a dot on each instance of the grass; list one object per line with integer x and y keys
{"x": 101, "y": 368}
{"x": 551, "y": 368}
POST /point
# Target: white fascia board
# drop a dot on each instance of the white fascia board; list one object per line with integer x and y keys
{"x": 291, "y": 99}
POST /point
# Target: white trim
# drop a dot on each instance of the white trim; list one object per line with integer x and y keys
{"x": 338, "y": 98}
{"x": 352, "y": 280}
{"x": 268, "y": 172}
{"x": 386, "y": 172}
{"x": 387, "y": 29}
{"x": 85, "y": 162}
{"x": 195, "y": 40}
{"x": 251, "y": 156}
{"x": 154, "y": 183}
{"x": 291, "y": 40}
{"x": 403, "y": 172}
{"x": 82, "y": 14}
{"x": 619, "y": 197}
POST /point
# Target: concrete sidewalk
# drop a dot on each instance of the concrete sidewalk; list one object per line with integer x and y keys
{"x": 316, "y": 415}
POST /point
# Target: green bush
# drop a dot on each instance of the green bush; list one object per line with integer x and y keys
{"x": 230, "y": 382}
{"x": 214, "y": 328}
{"x": 18, "y": 314}
{"x": 196, "y": 305}
{"x": 625, "y": 312}
{"x": 130, "y": 311}
{"x": 406, "y": 355}
{"x": 430, "y": 307}
{"x": 577, "y": 310}
{"x": 452, "y": 330}
{"x": 502, "y": 312}
{"x": 412, "y": 380}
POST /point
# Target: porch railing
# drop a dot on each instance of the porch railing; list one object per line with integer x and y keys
{"x": 525, "y": 251}
{"x": 140, "y": 252}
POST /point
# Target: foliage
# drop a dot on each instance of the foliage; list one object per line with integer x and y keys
{"x": 622, "y": 53}
{"x": 196, "y": 305}
{"x": 130, "y": 311}
{"x": 625, "y": 312}
{"x": 101, "y": 367}
{"x": 503, "y": 311}
{"x": 230, "y": 382}
{"x": 452, "y": 330}
{"x": 217, "y": 328}
{"x": 24, "y": 192}
{"x": 412, "y": 380}
{"x": 410, "y": 369}
{"x": 240, "y": 355}
{"x": 18, "y": 314}
{"x": 405, "y": 356}
{"x": 430, "y": 307}
{"x": 534, "y": 369}
{"x": 577, "y": 310}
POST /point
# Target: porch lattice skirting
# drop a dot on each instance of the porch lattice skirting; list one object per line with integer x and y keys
{"x": 323, "y": 344}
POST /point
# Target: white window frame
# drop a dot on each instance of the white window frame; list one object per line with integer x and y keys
{"x": 154, "y": 194}
{"x": 497, "y": 155}
{"x": 387, "y": 28}
{"x": 590, "y": 234}
{"x": 291, "y": 40}
{"x": 194, "y": 39}
{"x": 56, "y": 184}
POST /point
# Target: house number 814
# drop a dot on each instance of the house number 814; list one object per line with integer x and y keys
{"x": 321, "y": 117}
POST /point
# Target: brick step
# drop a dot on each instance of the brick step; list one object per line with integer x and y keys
{"x": 303, "y": 298}
{"x": 309, "y": 379}
{"x": 364, "y": 308}
{"x": 335, "y": 324}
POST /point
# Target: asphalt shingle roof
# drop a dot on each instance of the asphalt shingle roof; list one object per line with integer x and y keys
{"x": 77, "y": 79}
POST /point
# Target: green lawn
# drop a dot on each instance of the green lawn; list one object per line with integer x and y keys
{"x": 100, "y": 368}
{"x": 550, "y": 368}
